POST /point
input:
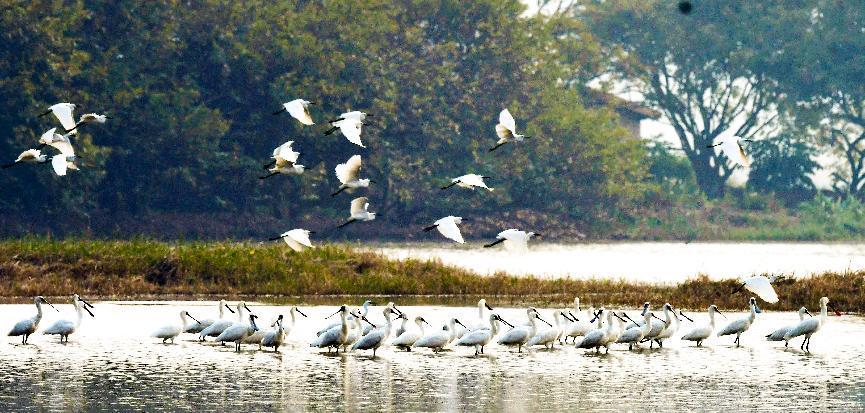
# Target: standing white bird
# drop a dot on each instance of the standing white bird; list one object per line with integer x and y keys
{"x": 672, "y": 326}
{"x": 447, "y": 226}
{"x": 469, "y": 181}
{"x": 284, "y": 162}
{"x": 778, "y": 335}
{"x": 237, "y": 332}
{"x": 480, "y": 338}
{"x": 548, "y": 336}
{"x": 731, "y": 147}
{"x": 762, "y": 286}
{"x": 298, "y": 109}
{"x": 520, "y": 335}
{"x": 365, "y": 312}
{"x": 25, "y": 328}
{"x": 409, "y": 337}
{"x": 258, "y": 335}
{"x": 742, "y": 325}
{"x": 810, "y": 326}
{"x": 63, "y": 113}
{"x": 377, "y": 337}
{"x": 64, "y": 328}
{"x": 170, "y": 332}
{"x": 89, "y": 118}
{"x": 506, "y": 130}
{"x": 438, "y": 340}
{"x": 603, "y": 337}
{"x": 348, "y": 174}
{"x": 355, "y": 328}
{"x": 579, "y": 328}
{"x": 482, "y": 322}
{"x": 197, "y": 327}
{"x": 514, "y": 239}
{"x": 218, "y": 326}
{"x": 634, "y": 334}
{"x": 350, "y": 127}
{"x": 701, "y": 333}
{"x": 276, "y": 337}
{"x": 297, "y": 239}
{"x": 389, "y": 307}
{"x": 359, "y": 211}
{"x": 28, "y": 156}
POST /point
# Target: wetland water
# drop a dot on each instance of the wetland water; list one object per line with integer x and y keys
{"x": 661, "y": 262}
{"x": 112, "y": 364}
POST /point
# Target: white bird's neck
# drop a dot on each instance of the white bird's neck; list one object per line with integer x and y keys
{"x": 647, "y": 324}
{"x": 753, "y": 314}
{"x": 494, "y": 327}
{"x": 824, "y": 312}
{"x": 183, "y": 322}
{"x": 241, "y": 312}
{"x": 80, "y": 312}
{"x": 576, "y": 305}
{"x": 221, "y": 309}
{"x": 712, "y": 318}
{"x": 480, "y": 311}
{"x": 292, "y": 319}
{"x": 38, "y": 312}
{"x": 453, "y": 330}
{"x": 344, "y": 323}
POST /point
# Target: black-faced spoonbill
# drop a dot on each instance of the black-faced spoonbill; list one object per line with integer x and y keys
{"x": 506, "y": 130}
{"x": 63, "y": 113}
{"x": 635, "y": 333}
{"x": 348, "y": 174}
{"x": 579, "y": 328}
{"x": 237, "y": 332}
{"x": 810, "y": 326}
{"x": 520, "y": 335}
{"x": 701, "y": 333}
{"x": 25, "y": 328}
{"x": 762, "y": 286}
{"x": 170, "y": 332}
{"x": 480, "y": 338}
{"x": 547, "y": 337}
{"x": 64, "y": 328}
{"x": 215, "y": 329}
{"x": 350, "y": 128}
{"x": 377, "y": 337}
{"x": 778, "y": 335}
{"x": 409, "y": 336}
{"x": 28, "y": 156}
{"x": 197, "y": 327}
{"x": 447, "y": 226}
{"x": 469, "y": 181}
{"x": 364, "y": 306}
{"x": 89, "y": 118}
{"x": 284, "y": 162}
{"x": 438, "y": 340}
{"x": 298, "y": 109}
{"x": 741, "y": 325}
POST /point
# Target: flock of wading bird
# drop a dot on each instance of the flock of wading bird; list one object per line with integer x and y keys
{"x": 601, "y": 328}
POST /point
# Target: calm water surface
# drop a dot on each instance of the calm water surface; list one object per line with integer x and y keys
{"x": 111, "y": 364}
{"x": 664, "y": 262}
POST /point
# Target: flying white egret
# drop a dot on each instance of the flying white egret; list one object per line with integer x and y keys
{"x": 28, "y": 156}
{"x": 355, "y": 114}
{"x": 409, "y": 337}
{"x": 348, "y": 174}
{"x": 170, "y": 332}
{"x": 548, "y": 336}
{"x": 359, "y": 211}
{"x": 469, "y": 181}
{"x": 514, "y": 239}
{"x": 778, "y": 335}
{"x": 64, "y": 328}
{"x": 506, "y": 130}
{"x": 701, "y": 333}
{"x": 25, "y": 328}
{"x": 742, "y": 325}
{"x": 438, "y": 340}
{"x": 218, "y": 326}
{"x": 63, "y": 113}
{"x": 89, "y": 118}
{"x": 481, "y": 337}
{"x": 520, "y": 335}
{"x": 297, "y": 239}
{"x": 237, "y": 332}
{"x": 810, "y": 326}
{"x": 762, "y": 286}
{"x": 350, "y": 127}
{"x": 284, "y": 162}
{"x": 377, "y": 337}
{"x": 447, "y": 226}
{"x": 298, "y": 109}
{"x": 66, "y": 159}
{"x": 197, "y": 327}
{"x": 731, "y": 147}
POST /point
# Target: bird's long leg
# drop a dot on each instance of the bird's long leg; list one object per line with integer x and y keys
{"x": 430, "y": 228}
{"x": 739, "y": 288}
{"x": 498, "y": 145}
{"x": 452, "y": 184}
{"x": 499, "y": 241}
{"x": 331, "y": 130}
{"x": 346, "y": 223}
{"x": 45, "y": 113}
{"x": 342, "y": 188}
{"x": 712, "y": 146}
{"x": 268, "y": 175}
{"x": 9, "y": 165}
{"x": 279, "y": 111}
{"x": 269, "y": 164}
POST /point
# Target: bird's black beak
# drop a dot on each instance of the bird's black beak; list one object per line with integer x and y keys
{"x": 372, "y": 182}
{"x": 246, "y": 307}
{"x": 567, "y": 317}
{"x": 312, "y": 103}
{"x": 86, "y": 304}
{"x": 88, "y": 310}
{"x": 832, "y": 307}
{"x": 312, "y": 232}
{"x": 595, "y": 318}
{"x": 574, "y": 316}
{"x": 341, "y": 309}
{"x": 458, "y": 322}
{"x": 397, "y": 310}
{"x": 190, "y": 316}
{"x": 368, "y": 322}
{"x": 537, "y": 234}
{"x": 629, "y": 318}
{"x": 545, "y": 321}
{"x": 505, "y": 322}
{"x": 659, "y": 319}
{"x": 722, "y": 314}
{"x": 618, "y": 316}
{"x": 229, "y": 309}
{"x": 299, "y": 312}
{"x": 52, "y": 305}
{"x": 686, "y": 317}
{"x": 423, "y": 320}
{"x": 488, "y": 307}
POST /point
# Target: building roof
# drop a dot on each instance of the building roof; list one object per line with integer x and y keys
{"x": 623, "y": 106}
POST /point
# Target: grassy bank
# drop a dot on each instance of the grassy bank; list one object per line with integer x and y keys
{"x": 131, "y": 269}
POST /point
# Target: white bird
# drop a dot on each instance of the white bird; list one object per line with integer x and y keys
{"x": 634, "y": 334}
{"x": 66, "y": 158}
{"x": 482, "y": 321}
{"x": 170, "y": 332}
{"x": 514, "y": 239}
{"x": 197, "y": 327}
{"x": 365, "y": 307}
{"x": 237, "y": 332}
{"x": 731, "y": 147}
{"x": 377, "y": 337}
{"x": 672, "y": 326}
{"x": 579, "y": 328}
{"x": 389, "y": 307}
{"x": 602, "y": 337}
{"x": 506, "y": 130}
{"x": 481, "y": 337}
{"x": 355, "y": 328}
{"x": 438, "y": 340}
{"x": 810, "y": 326}
{"x": 359, "y": 211}
{"x": 284, "y": 162}
{"x": 520, "y": 335}
{"x": 298, "y": 109}
{"x": 762, "y": 286}
{"x": 355, "y": 114}
{"x": 778, "y": 335}
{"x": 407, "y": 338}
{"x": 447, "y": 226}
{"x": 335, "y": 337}
{"x": 218, "y": 326}
{"x": 297, "y": 239}
{"x": 63, "y": 113}
{"x": 258, "y": 335}
{"x": 276, "y": 337}
{"x": 742, "y": 325}
{"x": 64, "y": 328}
{"x": 469, "y": 181}
{"x": 89, "y": 118}
{"x": 548, "y": 336}
{"x": 28, "y": 156}
{"x": 701, "y": 333}
{"x": 25, "y": 328}
{"x": 348, "y": 174}
{"x": 350, "y": 127}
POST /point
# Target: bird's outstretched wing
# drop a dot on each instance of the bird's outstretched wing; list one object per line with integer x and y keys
{"x": 63, "y": 113}
{"x": 350, "y": 170}
{"x": 60, "y": 164}
{"x": 359, "y": 205}
{"x": 447, "y": 226}
{"x": 351, "y": 129}
{"x": 301, "y": 236}
{"x": 299, "y": 111}
{"x": 761, "y": 286}
{"x": 507, "y": 120}
{"x": 285, "y": 153}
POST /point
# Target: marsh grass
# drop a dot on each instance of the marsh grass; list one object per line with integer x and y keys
{"x": 144, "y": 268}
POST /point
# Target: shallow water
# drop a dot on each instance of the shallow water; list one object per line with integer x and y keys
{"x": 111, "y": 364}
{"x": 664, "y": 262}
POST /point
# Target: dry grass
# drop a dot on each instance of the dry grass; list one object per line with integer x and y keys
{"x": 127, "y": 269}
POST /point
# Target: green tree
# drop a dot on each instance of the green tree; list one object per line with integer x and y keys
{"x": 783, "y": 165}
